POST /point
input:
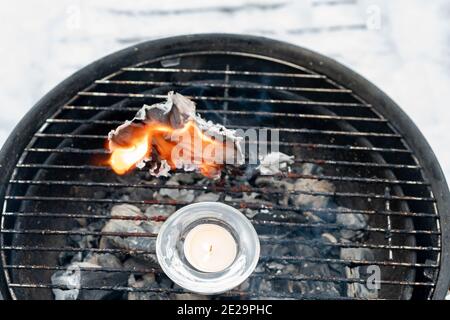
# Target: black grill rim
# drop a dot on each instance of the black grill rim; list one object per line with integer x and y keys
{"x": 62, "y": 93}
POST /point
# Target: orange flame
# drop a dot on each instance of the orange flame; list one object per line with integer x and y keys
{"x": 123, "y": 159}
{"x": 187, "y": 145}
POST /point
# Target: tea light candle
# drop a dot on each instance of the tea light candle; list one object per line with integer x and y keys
{"x": 207, "y": 247}
{"x": 210, "y": 248}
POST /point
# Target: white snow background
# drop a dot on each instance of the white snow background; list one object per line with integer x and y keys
{"x": 402, "y": 46}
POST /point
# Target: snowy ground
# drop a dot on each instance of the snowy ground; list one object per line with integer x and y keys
{"x": 403, "y": 46}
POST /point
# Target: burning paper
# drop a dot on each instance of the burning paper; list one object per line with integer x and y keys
{"x": 172, "y": 136}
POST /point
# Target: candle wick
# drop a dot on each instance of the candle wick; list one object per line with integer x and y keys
{"x": 210, "y": 248}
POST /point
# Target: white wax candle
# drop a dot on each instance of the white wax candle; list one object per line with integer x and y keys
{"x": 210, "y": 248}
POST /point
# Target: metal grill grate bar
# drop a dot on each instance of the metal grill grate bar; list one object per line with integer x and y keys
{"x": 344, "y": 280}
{"x": 229, "y": 72}
{"x": 316, "y": 225}
{"x": 254, "y": 275}
{"x": 263, "y": 258}
{"x": 318, "y": 210}
{"x": 222, "y": 86}
{"x": 69, "y": 150}
{"x": 297, "y": 160}
{"x": 263, "y": 240}
{"x": 287, "y": 278}
{"x": 74, "y": 249}
{"x": 240, "y": 112}
{"x": 350, "y": 245}
{"x": 281, "y": 175}
{"x": 223, "y": 99}
{"x": 53, "y": 232}
{"x": 303, "y": 145}
{"x": 232, "y": 293}
{"x": 291, "y": 130}
{"x": 234, "y": 189}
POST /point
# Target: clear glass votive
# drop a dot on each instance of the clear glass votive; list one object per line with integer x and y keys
{"x": 208, "y": 248}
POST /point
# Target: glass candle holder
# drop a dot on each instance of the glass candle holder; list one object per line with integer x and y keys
{"x": 208, "y": 248}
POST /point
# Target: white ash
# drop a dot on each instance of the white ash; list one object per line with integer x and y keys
{"x": 429, "y": 272}
{"x": 142, "y": 280}
{"x": 71, "y": 279}
{"x": 311, "y": 168}
{"x": 84, "y": 241}
{"x": 303, "y": 268}
{"x": 81, "y": 274}
{"x": 279, "y": 185}
{"x": 356, "y": 254}
{"x": 312, "y": 217}
{"x": 107, "y": 260}
{"x": 249, "y": 196}
{"x": 264, "y": 210}
{"x": 75, "y": 276}
{"x": 146, "y": 281}
{"x": 126, "y": 210}
{"x": 250, "y": 213}
{"x": 187, "y": 178}
{"x": 182, "y": 195}
{"x": 131, "y": 193}
{"x": 274, "y": 182}
{"x": 244, "y": 196}
{"x": 356, "y": 289}
{"x": 313, "y": 186}
{"x": 77, "y": 239}
{"x": 278, "y": 267}
{"x": 274, "y": 163}
{"x": 119, "y": 225}
{"x": 161, "y": 169}
{"x": 315, "y": 201}
{"x": 244, "y": 286}
{"x": 135, "y": 264}
{"x": 320, "y": 214}
{"x": 207, "y": 197}
{"x": 131, "y": 226}
{"x": 159, "y": 210}
{"x": 141, "y": 164}
{"x": 328, "y": 237}
{"x": 353, "y": 223}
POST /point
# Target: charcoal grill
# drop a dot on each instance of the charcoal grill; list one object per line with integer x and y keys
{"x": 327, "y": 115}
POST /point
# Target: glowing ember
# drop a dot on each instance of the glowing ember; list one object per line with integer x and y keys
{"x": 180, "y": 141}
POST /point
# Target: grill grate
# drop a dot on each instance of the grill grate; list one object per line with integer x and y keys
{"x": 375, "y": 173}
